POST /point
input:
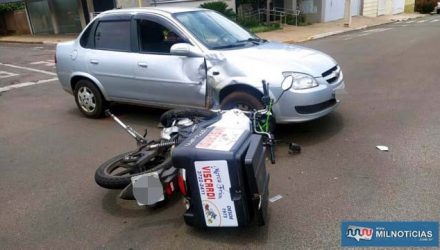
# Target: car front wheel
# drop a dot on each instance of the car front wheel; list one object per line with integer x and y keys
{"x": 89, "y": 99}
{"x": 241, "y": 100}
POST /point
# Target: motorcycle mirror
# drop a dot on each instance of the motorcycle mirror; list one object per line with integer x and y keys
{"x": 287, "y": 83}
{"x": 265, "y": 88}
{"x": 265, "y": 98}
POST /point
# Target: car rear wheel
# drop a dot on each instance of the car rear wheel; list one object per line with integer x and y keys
{"x": 89, "y": 99}
{"x": 241, "y": 100}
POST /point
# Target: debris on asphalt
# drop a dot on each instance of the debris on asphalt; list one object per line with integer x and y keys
{"x": 275, "y": 198}
{"x": 294, "y": 148}
{"x": 382, "y": 148}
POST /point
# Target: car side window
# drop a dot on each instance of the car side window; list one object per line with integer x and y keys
{"x": 113, "y": 35}
{"x": 156, "y": 38}
{"x": 84, "y": 41}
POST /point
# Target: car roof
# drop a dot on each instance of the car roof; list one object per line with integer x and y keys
{"x": 159, "y": 10}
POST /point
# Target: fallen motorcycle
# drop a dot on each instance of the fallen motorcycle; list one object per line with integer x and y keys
{"x": 215, "y": 158}
{"x": 150, "y": 157}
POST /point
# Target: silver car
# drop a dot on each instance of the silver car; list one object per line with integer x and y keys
{"x": 189, "y": 57}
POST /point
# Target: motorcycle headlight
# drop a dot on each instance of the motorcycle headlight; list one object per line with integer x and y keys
{"x": 300, "y": 81}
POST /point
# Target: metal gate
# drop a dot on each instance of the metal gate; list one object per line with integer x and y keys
{"x": 334, "y": 10}
{"x": 381, "y": 7}
{"x": 356, "y": 6}
{"x": 398, "y": 6}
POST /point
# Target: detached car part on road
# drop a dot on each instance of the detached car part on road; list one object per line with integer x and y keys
{"x": 174, "y": 57}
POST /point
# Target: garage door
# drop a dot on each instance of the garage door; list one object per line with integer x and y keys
{"x": 334, "y": 10}
{"x": 398, "y": 6}
{"x": 356, "y": 7}
{"x": 381, "y": 7}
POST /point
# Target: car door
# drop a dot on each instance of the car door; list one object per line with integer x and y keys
{"x": 161, "y": 77}
{"x": 112, "y": 60}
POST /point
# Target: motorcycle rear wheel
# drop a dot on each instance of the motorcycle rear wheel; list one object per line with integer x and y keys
{"x": 108, "y": 176}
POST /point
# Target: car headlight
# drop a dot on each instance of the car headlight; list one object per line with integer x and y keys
{"x": 300, "y": 81}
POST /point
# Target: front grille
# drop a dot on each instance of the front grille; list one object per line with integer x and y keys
{"x": 310, "y": 109}
{"x": 332, "y": 75}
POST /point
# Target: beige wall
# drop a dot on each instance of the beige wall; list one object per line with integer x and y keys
{"x": 409, "y": 6}
{"x": 388, "y": 7}
{"x": 130, "y": 3}
{"x": 370, "y": 8}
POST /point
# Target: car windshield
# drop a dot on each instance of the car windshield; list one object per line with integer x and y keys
{"x": 216, "y": 31}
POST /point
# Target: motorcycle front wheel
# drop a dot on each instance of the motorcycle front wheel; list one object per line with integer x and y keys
{"x": 116, "y": 174}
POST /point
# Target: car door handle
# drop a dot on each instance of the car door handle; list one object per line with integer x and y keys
{"x": 143, "y": 65}
{"x": 94, "y": 61}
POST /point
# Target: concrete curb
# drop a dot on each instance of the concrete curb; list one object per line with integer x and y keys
{"x": 319, "y": 36}
{"x": 25, "y": 42}
{"x": 337, "y": 32}
{"x": 409, "y": 18}
{"x": 31, "y": 42}
{"x": 53, "y": 43}
{"x": 35, "y": 42}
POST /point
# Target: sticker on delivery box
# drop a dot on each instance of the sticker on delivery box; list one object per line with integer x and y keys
{"x": 214, "y": 185}
{"x": 220, "y": 139}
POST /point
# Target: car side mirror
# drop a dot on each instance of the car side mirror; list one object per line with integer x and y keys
{"x": 185, "y": 49}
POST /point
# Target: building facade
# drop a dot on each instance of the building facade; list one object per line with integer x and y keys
{"x": 316, "y": 11}
{"x": 71, "y": 16}
{"x": 62, "y": 16}
{"x": 55, "y": 16}
{"x": 374, "y": 8}
{"x": 171, "y": 3}
{"x": 331, "y": 10}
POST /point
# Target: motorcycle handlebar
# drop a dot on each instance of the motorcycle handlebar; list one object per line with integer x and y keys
{"x": 265, "y": 90}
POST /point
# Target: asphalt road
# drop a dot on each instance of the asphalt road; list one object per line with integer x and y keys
{"x": 49, "y": 153}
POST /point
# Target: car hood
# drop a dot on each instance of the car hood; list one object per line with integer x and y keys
{"x": 275, "y": 58}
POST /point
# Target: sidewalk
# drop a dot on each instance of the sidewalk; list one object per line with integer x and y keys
{"x": 289, "y": 34}
{"x": 295, "y": 34}
{"x": 38, "y": 39}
